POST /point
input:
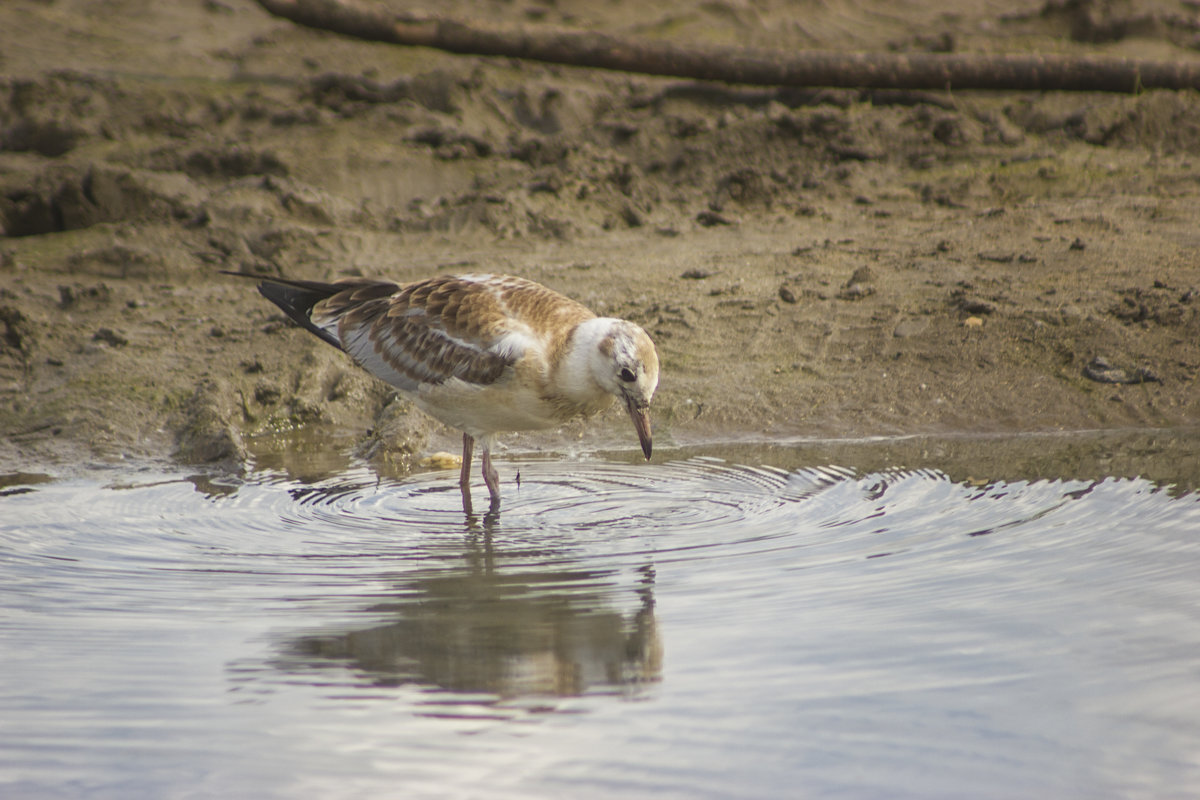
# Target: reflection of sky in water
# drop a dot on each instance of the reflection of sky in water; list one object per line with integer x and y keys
{"x": 690, "y": 628}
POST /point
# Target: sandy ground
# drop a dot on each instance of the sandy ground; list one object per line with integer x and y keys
{"x": 809, "y": 263}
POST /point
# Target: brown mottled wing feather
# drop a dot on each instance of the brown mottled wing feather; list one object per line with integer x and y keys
{"x": 442, "y": 328}
{"x": 538, "y": 306}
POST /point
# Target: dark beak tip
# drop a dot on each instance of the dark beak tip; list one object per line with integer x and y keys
{"x": 641, "y": 423}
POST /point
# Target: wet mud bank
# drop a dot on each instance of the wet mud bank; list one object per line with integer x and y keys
{"x": 812, "y": 264}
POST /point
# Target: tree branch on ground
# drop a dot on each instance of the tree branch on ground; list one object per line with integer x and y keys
{"x": 810, "y": 68}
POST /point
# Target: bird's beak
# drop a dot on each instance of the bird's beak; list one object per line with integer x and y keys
{"x": 641, "y": 424}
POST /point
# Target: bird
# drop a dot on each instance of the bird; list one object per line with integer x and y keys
{"x": 482, "y": 353}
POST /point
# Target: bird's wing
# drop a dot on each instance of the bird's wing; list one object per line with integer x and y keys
{"x": 470, "y": 327}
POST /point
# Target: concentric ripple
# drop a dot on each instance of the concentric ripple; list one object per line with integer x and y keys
{"x": 606, "y": 508}
{"x": 673, "y": 510}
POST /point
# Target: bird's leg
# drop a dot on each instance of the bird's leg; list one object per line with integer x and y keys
{"x": 464, "y": 477}
{"x": 491, "y": 478}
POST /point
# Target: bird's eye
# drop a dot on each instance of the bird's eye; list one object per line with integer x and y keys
{"x": 627, "y": 375}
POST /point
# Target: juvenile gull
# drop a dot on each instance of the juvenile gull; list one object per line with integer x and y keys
{"x": 482, "y": 353}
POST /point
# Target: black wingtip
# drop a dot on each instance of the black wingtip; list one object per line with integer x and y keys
{"x": 296, "y": 299}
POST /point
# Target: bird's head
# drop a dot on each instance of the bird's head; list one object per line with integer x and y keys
{"x": 625, "y": 364}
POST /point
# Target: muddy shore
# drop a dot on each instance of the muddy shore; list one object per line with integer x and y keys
{"x": 816, "y": 264}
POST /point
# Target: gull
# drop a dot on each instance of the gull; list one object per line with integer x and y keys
{"x": 482, "y": 353}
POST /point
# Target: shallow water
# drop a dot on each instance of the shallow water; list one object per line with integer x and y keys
{"x": 688, "y": 628}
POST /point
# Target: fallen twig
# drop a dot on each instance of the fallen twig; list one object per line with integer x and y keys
{"x": 912, "y": 71}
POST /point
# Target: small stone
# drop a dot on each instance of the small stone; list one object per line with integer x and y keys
{"x": 787, "y": 295}
{"x": 861, "y": 275}
{"x": 711, "y": 219}
{"x": 973, "y": 322}
{"x": 972, "y": 306}
{"x": 910, "y": 327}
{"x": 441, "y": 460}
{"x": 1099, "y": 369}
{"x": 732, "y": 288}
{"x": 855, "y": 291}
{"x": 109, "y": 336}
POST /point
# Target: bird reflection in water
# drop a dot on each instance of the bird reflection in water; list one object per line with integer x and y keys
{"x": 518, "y": 634}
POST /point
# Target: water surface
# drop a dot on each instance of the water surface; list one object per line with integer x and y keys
{"x": 889, "y": 620}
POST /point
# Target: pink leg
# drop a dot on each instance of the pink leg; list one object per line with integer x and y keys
{"x": 464, "y": 477}
{"x": 491, "y": 478}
